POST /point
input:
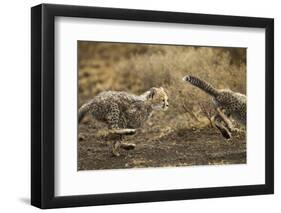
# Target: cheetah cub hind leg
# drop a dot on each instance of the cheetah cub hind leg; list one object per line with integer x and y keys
{"x": 115, "y": 148}
{"x": 117, "y": 144}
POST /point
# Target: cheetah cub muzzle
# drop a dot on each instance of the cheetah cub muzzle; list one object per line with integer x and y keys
{"x": 124, "y": 112}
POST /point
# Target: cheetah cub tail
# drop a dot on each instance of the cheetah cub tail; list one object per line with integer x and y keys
{"x": 205, "y": 86}
{"x": 83, "y": 111}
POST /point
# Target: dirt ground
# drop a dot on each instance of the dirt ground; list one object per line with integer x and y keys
{"x": 181, "y": 136}
{"x": 157, "y": 147}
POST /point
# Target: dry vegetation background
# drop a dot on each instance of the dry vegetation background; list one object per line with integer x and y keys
{"x": 178, "y": 137}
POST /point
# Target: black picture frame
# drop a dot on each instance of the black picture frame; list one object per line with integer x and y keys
{"x": 43, "y": 102}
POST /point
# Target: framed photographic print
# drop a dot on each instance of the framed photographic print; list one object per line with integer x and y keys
{"x": 139, "y": 106}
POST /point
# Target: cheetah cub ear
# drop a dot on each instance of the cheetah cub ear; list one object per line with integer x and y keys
{"x": 152, "y": 92}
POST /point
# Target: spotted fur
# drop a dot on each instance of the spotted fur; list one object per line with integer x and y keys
{"x": 233, "y": 103}
{"x": 122, "y": 110}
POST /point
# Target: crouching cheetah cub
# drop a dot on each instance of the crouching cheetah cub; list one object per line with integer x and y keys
{"x": 227, "y": 103}
{"x": 124, "y": 112}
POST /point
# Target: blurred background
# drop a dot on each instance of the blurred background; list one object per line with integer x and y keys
{"x": 136, "y": 68}
{"x": 185, "y": 127}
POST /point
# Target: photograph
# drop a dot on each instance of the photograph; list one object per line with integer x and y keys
{"x": 175, "y": 105}
{"x": 160, "y": 105}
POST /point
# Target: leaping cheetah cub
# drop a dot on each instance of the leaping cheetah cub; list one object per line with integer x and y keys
{"x": 227, "y": 103}
{"x": 124, "y": 112}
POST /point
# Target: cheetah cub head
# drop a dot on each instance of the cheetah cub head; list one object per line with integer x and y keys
{"x": 158, "y": 98}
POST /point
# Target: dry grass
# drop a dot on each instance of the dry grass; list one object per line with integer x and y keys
{"x": 181, "y": 136}
{"x": 136, "y": 68}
